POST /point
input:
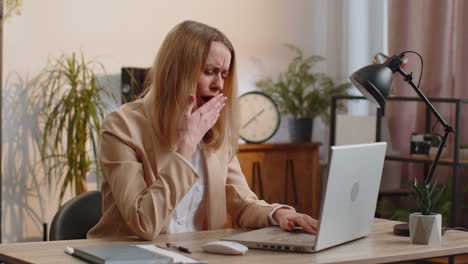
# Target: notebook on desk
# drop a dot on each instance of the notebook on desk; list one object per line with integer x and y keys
{"x": 347, "y": 208}
{"x": 131, "y": 254}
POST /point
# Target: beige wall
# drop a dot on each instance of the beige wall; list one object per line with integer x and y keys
{"x": 128, "y": 33}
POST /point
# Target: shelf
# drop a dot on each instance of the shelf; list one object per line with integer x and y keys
{"x": 456, "y": 105}
{"x": 422, "y": 159}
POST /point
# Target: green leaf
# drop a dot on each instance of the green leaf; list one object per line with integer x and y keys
{"x": 300, "y": 91}
{"x": 73, "y": 108}
{"x": 427, "y": 195}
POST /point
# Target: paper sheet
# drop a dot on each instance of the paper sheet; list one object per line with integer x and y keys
{"x": 177, "y": 258}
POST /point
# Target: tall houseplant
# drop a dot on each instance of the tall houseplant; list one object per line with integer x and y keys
{"x": 302, "y": 93}
{"x": 74, "y": 107}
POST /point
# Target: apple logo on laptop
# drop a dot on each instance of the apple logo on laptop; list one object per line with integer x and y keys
{"x": 354, "y": 191}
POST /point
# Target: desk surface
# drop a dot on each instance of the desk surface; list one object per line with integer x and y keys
{"x": 380, "y": 246}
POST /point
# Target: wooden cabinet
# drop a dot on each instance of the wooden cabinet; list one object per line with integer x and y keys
{"x": 284, "y": 173}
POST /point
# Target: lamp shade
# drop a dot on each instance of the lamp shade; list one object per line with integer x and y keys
{"x": 374, "y": 82}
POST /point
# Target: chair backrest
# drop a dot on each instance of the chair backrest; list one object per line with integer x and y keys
{"x": 76, "y": 217}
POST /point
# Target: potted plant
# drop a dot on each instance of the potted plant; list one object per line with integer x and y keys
{"x": 73, "y": 109}
{"x": 425, "y": 226}
{"x": 399, "y": 210}
{"x": 12, "y": 8}
{"x": 303, "y": 93}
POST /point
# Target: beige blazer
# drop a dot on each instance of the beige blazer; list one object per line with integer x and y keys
{"x": 143, "y": 182}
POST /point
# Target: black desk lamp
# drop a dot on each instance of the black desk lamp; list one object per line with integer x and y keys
{"x": 375, "y": 82}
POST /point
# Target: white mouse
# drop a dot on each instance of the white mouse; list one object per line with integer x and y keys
{"x": 225, "y": 247}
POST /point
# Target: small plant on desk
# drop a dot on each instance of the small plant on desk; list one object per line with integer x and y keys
{"x": 426, "y": 225}
{"x": 427, "y": 196}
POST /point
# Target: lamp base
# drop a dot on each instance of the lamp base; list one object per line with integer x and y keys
{"x": 401, "y": 229}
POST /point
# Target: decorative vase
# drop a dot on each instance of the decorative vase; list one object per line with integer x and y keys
{"x": 300, "y": 129}
{"x": 425, "y": 229}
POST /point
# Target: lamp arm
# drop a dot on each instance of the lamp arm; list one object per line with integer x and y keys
{"x": 428, "y": 178}
{"x": 448, "y": 129}
{"x": 409, "y": 79}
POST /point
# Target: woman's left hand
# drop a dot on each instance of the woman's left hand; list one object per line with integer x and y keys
{"x": 288, "y": 219}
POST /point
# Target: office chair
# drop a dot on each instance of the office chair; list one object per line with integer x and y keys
{"x": 76, "y": 217}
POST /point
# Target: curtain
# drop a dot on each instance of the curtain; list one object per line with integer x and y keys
{"x": 437, "y": 30}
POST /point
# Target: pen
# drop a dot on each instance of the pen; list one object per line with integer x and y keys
{"x": 70, "y": 251}
{"x": 180, "y": 248}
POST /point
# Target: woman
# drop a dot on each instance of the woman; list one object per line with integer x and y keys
{"x": 168, "y": 159}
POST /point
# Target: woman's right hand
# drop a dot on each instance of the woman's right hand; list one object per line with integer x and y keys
{"x": 288, "y": 219}
{"x": 196, "y": 122}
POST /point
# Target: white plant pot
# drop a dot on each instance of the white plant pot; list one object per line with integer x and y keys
{"x": 425, "y": 229}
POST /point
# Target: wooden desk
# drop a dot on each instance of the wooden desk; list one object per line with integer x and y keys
{"x": 381, "y": 246}
{"x": 286, "y": 173}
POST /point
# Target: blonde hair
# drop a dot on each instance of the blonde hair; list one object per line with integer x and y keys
{"x": 174, "y": 76}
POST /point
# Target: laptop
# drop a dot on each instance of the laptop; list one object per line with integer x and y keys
{"x": 347, "y": 207}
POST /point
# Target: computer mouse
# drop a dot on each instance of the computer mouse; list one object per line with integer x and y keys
{"x": 224, "y": 247}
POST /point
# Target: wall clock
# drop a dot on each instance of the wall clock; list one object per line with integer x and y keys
{"x": 260, "y": 117}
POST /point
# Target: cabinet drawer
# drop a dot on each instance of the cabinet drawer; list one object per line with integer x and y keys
{"x": 284, "y": 173}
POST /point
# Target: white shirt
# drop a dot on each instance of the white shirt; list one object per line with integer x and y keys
{"x": 190, "y": 213}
